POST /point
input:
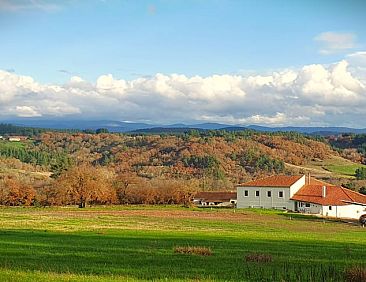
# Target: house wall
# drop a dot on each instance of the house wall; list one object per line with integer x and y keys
{"x": 309, "y": 208}
{"x": 263, "y": 201}
{"x": 297, "y": 185}
{"x": 346, "y": 211}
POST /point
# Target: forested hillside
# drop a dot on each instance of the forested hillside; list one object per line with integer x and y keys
{"x": 135, "y": 168}
{"x": 352, "y": 146}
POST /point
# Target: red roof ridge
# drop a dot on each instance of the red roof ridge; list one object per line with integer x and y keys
{"x": 345, "y": 192}
{"x": 320, "y": 181}
{"x": 352, "y": 192}
{"x": 273, "y": 181}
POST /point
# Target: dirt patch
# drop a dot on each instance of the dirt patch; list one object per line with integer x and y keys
{"x": 227, "y": 215}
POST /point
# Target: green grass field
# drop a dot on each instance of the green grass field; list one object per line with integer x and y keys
{"x": 9, "y": 144}
{"x": 136, "y": 244}
{"x": 332, "y": 167}
{"x": 344, "y": 170}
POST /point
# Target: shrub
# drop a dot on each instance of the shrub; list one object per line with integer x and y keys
{"x": 258, "y": 257}
{"x": 355, "y": 274}
{"x": 198, "y": 250}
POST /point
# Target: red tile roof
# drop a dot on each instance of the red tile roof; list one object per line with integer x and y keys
{"x": 216, "y": 196}
{"x": 273, "y": 181}
{"x": 335, "y": 195}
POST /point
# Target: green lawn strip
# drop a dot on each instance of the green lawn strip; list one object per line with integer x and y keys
{"x": 60, "y": 245}
{"x": 149, "y": 255}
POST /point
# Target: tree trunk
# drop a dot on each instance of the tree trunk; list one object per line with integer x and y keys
{"x": 82, "y": 203}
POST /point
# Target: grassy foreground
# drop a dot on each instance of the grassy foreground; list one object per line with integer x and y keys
{"x": 137, "y": 243}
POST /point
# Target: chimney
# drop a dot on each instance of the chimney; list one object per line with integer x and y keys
{"x": 324, "y": 191}
{"x": 309, "y": 177}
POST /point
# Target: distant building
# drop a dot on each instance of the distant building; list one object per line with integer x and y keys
{"x": 14, "y": 139}
{"x": 302, "y": 194}
{"x": 17, "y": 138}
{"x": 220, "y": 199}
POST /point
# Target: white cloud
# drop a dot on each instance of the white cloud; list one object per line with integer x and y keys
{"x": 311, "y": 95}
{"x": 335, "y": 42}
{"x": 279, "y": 119}
{"x": 21, "y": 5}
{"x": 25, "y": 111}
{"x": 357, "y": 62}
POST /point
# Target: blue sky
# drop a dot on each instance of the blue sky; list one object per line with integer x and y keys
{"x": 55, "y": 41}
{"x": 133, "y": 38}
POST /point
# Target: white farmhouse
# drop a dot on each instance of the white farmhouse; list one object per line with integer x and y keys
{"x": 271, "y": 192}
{"x": 302, "y": 194}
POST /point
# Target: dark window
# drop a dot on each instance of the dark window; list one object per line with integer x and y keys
{"x": 246, "y": 193}
{"x": 330, "y": 208}
{"x": 269, "y": 194}
{"x": 257, "y": 193}
{"x": 280, "y": 194}
{"x": 307, "y": 205}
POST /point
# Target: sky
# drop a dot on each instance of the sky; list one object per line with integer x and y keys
{"x": 276, "y": 63}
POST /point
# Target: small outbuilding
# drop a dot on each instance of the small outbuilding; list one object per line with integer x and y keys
{"x": 219, "y": 199}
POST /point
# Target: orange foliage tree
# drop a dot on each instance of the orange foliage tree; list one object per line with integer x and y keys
{"x": 85, "y": 184}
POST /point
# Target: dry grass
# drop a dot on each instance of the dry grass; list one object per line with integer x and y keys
{"x": 355, "y": 274}
{"x": 197, "y": 250}
{"x": 258, "y": 257}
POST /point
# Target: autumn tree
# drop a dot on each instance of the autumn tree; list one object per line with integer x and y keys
{"x": 15, "y": 193}
{"x": 85, "y": 184}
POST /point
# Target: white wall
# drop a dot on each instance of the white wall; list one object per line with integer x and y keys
{"x": 347, "y": 211}
{"x": 263, "y": 201}
{"x": 297, "y": 185}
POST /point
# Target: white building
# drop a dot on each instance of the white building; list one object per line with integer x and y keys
{"x": 303, "y": 194}
{"x": 271, "y": 192}
{"x": 14, "y": 139}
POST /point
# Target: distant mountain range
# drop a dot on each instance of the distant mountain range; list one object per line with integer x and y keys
{"x": 119, "y": 126}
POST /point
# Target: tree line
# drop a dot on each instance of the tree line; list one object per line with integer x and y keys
{"x": 85, "y": 184}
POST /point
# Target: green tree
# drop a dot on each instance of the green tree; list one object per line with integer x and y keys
{"x": 102, "y": 130}
{"x": 362, "y": 190}
{"x": 360, "y": 173}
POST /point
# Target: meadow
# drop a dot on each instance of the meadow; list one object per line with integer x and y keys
{"x": 137, "y": 243}
{"x": 333, "y": 167}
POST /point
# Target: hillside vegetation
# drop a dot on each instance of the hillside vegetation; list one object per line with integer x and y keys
{"x": 153, "y": 169}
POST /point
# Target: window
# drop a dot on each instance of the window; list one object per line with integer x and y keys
{"x": 257, "y": 193}
{"x": 246, "y": 193}
{"x": 269, "y": 194}
{"x": 307, "y": 205}
{"x": 330, "y": 208}
{"x": 280, "y": 194}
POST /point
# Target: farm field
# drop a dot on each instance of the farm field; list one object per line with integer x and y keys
{"x": 137, "y": 244}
